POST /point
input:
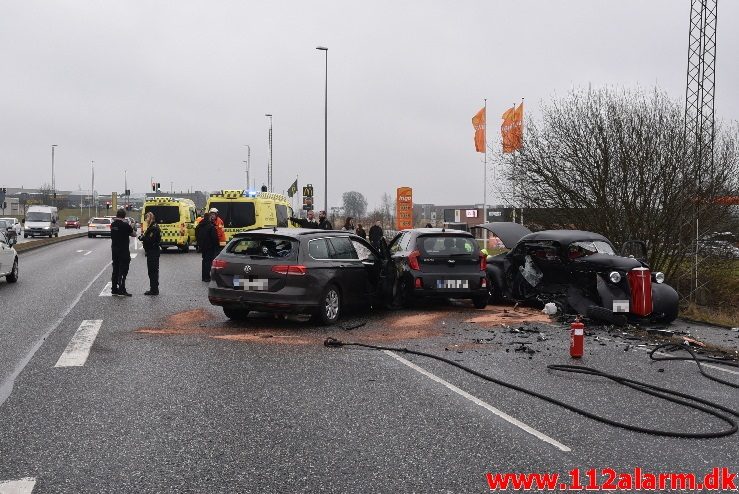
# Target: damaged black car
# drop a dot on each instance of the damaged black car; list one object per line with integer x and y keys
{"x": 578, "y": 271}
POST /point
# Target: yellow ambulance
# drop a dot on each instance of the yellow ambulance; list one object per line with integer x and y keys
{"x": 242, "y": 210}
{"x": 176, "y": 219}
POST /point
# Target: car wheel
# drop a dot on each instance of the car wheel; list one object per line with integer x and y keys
{"x": 668, "y": 316}
{"x": 404, "y": 293}
{"x": 330, "y": 308}
{"x": 236, "y": 314}
{"x": 13, "y": 276}
{"x": 185, "y": 248}
{"x": 25, "y": 236}
{"x": 480, "y": 302}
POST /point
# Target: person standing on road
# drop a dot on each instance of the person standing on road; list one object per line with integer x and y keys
{"x": 360, "y": 231}
{"x": 120, "y": 234}
{"x": 349, "y": 224}
{"x": 375, "y": 234}
{"x": 151, "y": 240}
{"x": 208, "y": 241}
{"x": 323, "y": 222}
{"x": 218, "y": 223}
{"x": 309, "y": 222}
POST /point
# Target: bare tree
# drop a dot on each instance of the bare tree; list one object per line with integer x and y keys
{"x": 355, "y": 205}
{"x": 619, "y": 163}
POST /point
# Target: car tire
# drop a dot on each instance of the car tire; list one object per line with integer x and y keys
{"x": 25, "y": 235}
{"x": 403, "y": 296}
{"x": 330, "y": 308}
{"x": 185, "y": 248}
{"x": 12, "y": 277}
{"x": 668, "y": 316}
{"x": 480, "y": 302}
{"x": 235, "y": 313}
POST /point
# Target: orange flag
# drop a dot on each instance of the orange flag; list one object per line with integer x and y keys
{"x": 506, "y": 130}
{"x": 478, "y": 122}
{"x": 517, "y": 131}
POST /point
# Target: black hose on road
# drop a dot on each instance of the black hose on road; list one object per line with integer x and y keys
{"x": 672, "y": 346}
{"x": 684, "y": 399}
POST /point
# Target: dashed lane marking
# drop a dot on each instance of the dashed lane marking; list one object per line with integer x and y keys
{"x": 78, "y": 349}
{"x": 22, "y": 486}
{"x": 107, "y": 290}
{"x": 511, "y": 420}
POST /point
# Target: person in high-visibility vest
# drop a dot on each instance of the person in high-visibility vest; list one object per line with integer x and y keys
{"x": 218, "y": 222}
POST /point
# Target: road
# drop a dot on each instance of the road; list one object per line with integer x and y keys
{"x": 173, "y": 397}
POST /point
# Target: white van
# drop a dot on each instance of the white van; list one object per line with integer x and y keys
{"x": 41, "y": 221}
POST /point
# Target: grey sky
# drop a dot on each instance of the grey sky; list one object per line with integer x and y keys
{"x": 175, "y": 89}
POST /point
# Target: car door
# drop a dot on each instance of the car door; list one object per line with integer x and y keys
{"x": 350, "y": 271}
{"x": 6, "y": 255}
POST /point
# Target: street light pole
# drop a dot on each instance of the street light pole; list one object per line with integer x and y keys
{"x": 248, "y": 165}
{"x": 325, "y": 133}
{"x": 53, "y": 180}
{"x": 269, "y": 165}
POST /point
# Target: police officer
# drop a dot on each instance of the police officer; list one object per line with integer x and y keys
{"x": 323, "y": 222}
{"x": 207, "y": 238}
{"x": 120, "y": 234}
{"x": 151, "y": 241}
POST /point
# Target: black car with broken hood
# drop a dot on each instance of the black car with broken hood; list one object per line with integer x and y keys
{"x": 580, "y": 272}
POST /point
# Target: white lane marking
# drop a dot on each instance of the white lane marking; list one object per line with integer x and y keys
{"x": 107, "y": 290}
{"x": 22, "y": 486}
{"x": 6, "y": 386}
{"x": 486, "y": 406}
{"x": 703, "y": 364}
{"x": 133, "y": 255}
{"x": 87, "y": 253}
{"x": 78, "y": 349}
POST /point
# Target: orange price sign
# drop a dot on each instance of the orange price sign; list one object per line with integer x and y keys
{"x": 404, "y": 208}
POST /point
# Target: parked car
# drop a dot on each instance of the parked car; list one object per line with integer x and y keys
{"x": 723, "y": 249}
{"x": 99, "y": 227}
{"x": 16, "y": 225}
{"x": 8, "y": 260}
{"x": 10, "y": 235}
{"x": 580, "y": 272}
{"x": 437, "y": 262}
{"x": 296, "y": 270}
{"x": 72, "y": 222}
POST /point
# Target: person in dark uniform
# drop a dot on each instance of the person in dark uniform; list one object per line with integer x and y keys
{"x": 323, "y": 222}
{"x": 308, "y": 222}
{"x": 207, "y": 238}
{"x": 151, "y": 240}
{"x": 120, "y": 234}
{"x": 360, "y": 231}
{"x": 375, "y": 234}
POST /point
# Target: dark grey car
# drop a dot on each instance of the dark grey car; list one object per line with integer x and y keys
{"x": 295, "y": 270}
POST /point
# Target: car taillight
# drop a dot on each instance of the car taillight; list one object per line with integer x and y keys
{"x": 413, "y": 260}
{"x": 219, "y": 264}
{"x": 290, "y": 269}
{"x": 483, "y": 262}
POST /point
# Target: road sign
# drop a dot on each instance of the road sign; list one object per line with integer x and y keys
{"x": 308, "y": 190}
{"x": 308, "y": 197}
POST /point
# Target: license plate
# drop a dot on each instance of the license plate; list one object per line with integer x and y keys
{"x": 253, "y": 284}
{"x": 620, "y": 306}
{"x": 453, "y": 284}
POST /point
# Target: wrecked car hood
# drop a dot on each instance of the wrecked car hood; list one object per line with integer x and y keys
{"x": 604, "y": 262}
{"x": 509, "y": 233}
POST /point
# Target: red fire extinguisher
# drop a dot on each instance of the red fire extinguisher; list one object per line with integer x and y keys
{"x": 577, "y": 339}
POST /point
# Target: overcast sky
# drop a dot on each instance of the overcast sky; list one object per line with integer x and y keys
{"x": 175, "y": 89}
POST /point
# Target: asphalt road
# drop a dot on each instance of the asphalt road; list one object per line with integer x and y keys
{"x": 175, "y": 398}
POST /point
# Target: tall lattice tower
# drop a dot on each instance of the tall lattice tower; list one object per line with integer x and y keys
{"x": 701, "y": 86}
{"x": 699, "y": 104}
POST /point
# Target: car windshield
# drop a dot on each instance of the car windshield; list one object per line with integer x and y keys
{"x": 589, "y": 247}
{"x": 235, "y": 214}
{"x": 38, "y": 216}
{"x": 164, "y": 214}
{"x": 264, "y": 247}
{"x": 100, "y": 221}
{"x": 72, "y": 218}
{"x": 447, "y": 245}
{"x": 4, "y": 224}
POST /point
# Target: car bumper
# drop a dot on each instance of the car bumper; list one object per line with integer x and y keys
{"x": 287, "y": 300}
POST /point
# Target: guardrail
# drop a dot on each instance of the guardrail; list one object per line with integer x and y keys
{"x": 35, "y": 244}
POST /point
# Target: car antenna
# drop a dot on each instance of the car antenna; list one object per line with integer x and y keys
{"x": 274, "y": 229}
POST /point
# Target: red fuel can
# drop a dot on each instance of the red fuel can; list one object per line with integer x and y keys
{"x": 577, "y": 339}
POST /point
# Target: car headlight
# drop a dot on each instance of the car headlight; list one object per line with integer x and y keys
{"x": 615, "y": 276}
{"x": 659, "y": 277}
{"x": 47, "y": 228}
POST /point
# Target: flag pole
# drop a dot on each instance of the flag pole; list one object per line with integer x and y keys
{"x": 524, "y": 178}
{"x": 485, "y": 172}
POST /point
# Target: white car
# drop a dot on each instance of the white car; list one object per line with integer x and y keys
{"x": 16, "y": 224}
{"x": 99, "y": 227}
{"x": 8, "y": 260}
